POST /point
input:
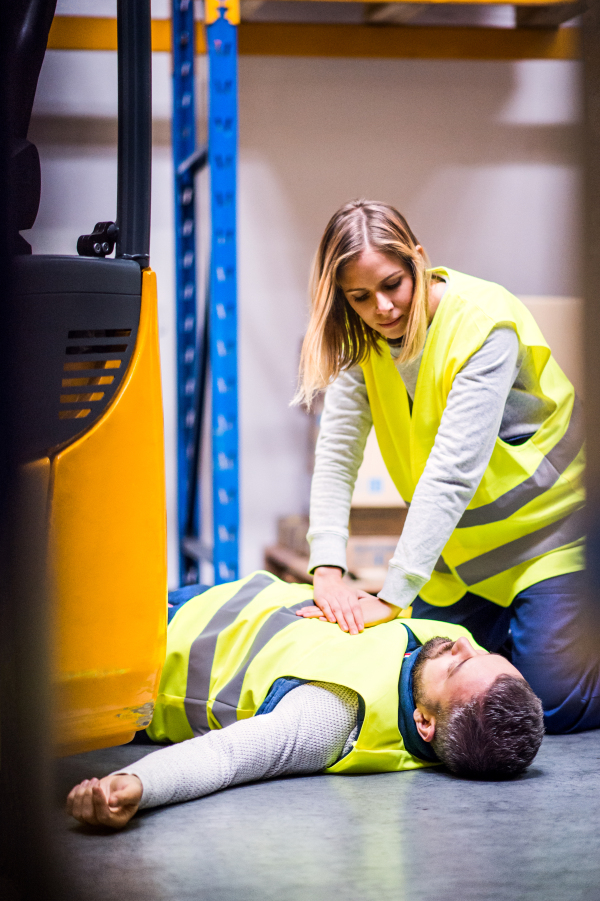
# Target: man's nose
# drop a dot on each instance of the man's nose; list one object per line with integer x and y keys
{"x": 463, "y": 648}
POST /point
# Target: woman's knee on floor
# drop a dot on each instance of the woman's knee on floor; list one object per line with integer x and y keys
{"x": 568, "y": 687}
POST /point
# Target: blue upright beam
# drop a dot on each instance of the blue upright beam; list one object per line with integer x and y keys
{"x": 184, "y": 146}
{"x": 222, "y": 148}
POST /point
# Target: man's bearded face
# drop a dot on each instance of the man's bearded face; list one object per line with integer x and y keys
{"x": 430, "y": 650}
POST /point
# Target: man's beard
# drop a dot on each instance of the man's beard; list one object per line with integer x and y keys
{"x": 433, "y": 648}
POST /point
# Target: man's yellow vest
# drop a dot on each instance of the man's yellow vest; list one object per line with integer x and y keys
{"x": 524, "y": 523}
{"x": 227, "y": 647}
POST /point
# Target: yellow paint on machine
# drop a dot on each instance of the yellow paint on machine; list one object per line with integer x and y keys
{"x": 107, "y": 552}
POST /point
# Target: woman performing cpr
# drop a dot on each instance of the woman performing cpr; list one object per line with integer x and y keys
{"x": 481, "y": 433}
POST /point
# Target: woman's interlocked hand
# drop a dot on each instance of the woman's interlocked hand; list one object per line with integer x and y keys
{"x": 337, "y": 601}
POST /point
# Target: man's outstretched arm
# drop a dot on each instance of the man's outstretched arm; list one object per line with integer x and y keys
{"x": 306, "y": 732}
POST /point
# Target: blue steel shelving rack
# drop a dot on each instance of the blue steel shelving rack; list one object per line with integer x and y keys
{"x": 221, "y": 33}
{"x": 221, "y": 321}
{"x": 184, "y": 145}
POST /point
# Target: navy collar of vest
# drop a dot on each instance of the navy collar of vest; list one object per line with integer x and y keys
{"x": 413, "y": 742}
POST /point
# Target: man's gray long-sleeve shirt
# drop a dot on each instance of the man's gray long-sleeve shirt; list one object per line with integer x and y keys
{"x": 491, "y": 396}
{"x": 309, "y": 729}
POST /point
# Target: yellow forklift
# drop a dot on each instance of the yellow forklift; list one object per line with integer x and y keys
{"x": 92, "y": 451}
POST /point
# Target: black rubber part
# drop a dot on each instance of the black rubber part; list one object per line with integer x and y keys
{"x": 65, "y": 274}
{"x": 74, "y": 314}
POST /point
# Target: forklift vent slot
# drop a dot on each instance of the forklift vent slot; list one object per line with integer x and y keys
{"x": 96, "y": 349}
{"x": 80, "y": 398}
{"x": 90, "y": 380}
{"x": 74, "y": 414}
{"x": 101, "y": 333}
{"x": 92, "y": 364}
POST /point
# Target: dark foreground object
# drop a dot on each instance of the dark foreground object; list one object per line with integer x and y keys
{"x": 418, "y": 836}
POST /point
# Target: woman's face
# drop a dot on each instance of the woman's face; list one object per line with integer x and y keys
{"x": 379, "y": 287}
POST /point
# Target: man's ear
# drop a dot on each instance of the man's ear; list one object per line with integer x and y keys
{"x": 425, "y": 723}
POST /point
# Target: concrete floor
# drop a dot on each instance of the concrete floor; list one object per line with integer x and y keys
{"x": 394, "y": 837}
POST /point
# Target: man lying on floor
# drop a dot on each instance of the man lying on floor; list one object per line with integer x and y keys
{"x": 251, "y": 691}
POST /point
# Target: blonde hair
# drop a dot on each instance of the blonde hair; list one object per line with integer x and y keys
{"x": 337, "y": 337}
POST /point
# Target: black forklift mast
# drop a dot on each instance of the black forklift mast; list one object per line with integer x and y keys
{"x": 135, "y": 131}
{"x": 131, "y": 231}
{"x": 26, "y": 34}
{"x": 26, "y": 24}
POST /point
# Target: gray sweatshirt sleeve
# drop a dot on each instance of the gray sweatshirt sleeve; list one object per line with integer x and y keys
{"x": 310, "y": 728}
{"x": 345, "y": 425}
{"x": 463, "y": 446}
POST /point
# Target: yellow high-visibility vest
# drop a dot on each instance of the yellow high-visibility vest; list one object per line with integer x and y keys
{"x": 524, "y": 523}
{"x": 227, "y": 647}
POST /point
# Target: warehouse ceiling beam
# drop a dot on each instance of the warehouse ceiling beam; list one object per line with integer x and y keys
{"x": 407, "y": 42}
{"x": 352, "y": 41}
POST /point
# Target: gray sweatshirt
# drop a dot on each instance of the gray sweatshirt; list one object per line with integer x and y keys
{"x": 492, "y": 395}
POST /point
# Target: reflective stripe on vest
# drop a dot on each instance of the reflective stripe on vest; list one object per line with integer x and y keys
{"x": 552, "y": 466}
{"x": 522, "y": 510}
{"x": 202, "y": 651}
{"x": 227, "y": 701}
{"x": 557, "y": 534}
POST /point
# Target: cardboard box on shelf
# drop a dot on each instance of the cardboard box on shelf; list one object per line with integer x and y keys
{"x": 286, "y": 564}
{"x": 374, "y": 486}
{"x": 368, "y": 557}
{"x": 291, "y": 530}
{"x": 368, "y": 552}
{"x": 377, "y": 520}
{"x": 291, "y": 533}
